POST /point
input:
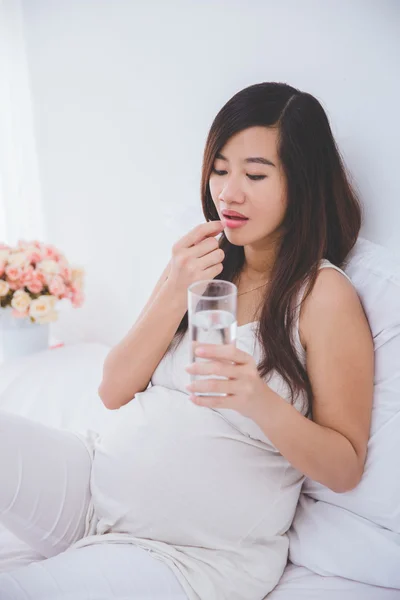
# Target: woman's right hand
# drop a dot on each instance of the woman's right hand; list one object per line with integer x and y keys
{"x": 196, "y": 256}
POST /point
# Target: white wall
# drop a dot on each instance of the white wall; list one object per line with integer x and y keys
{"x": 124, "y": 93}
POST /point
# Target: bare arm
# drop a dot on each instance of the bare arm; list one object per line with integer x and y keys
{"x": 332, "y": 448}
{"x": 163, "y": 278}
{"x": 129, "y": 365}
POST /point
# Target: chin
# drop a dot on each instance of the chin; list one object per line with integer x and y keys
{"x": 235, "y": 237}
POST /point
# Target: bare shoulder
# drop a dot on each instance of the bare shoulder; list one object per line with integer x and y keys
{"x": 333, "y": 299}
{"x": 340, "y": 360}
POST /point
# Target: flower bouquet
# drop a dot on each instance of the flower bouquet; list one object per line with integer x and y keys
{"x": 33, "y": 277}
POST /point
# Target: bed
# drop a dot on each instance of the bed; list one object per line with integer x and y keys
{"x": 362, "y": 559}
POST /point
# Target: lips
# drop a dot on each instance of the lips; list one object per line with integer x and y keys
{"x": 234, "y": 222}
{"x": 233, "y": 214}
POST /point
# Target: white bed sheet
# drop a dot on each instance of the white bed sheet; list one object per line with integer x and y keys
{"x": 14, "y": 553}
{"x": 59, "y": 387}
{"x": 298, "y": 583}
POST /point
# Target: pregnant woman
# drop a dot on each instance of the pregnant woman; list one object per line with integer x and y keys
{"x": 187, "y": 496}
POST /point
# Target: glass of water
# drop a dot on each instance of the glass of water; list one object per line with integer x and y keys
{"x": 212, "y": 318}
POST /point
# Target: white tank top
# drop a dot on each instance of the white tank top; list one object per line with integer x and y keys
{"x": 203, "y": 490}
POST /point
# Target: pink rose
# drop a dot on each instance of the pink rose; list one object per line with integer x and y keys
{"x": 66, "y": 273}
{"x": 16, "y": 285}
{"x": 35, "y": 257}
{"x": 77, "y": 299}
{"x": 56, "y": 286}
{"x": 13, "y": 273}
{"x": 51, "y": 252}
{"x": 74, "y": 289}
{"x": 41, "y": 276}
{"x": 27, "y": 274}
{"x": 2, "y": 267}
{"x": 37, "y": 275}
{"x": 34, "y": 284}
{"x": 68, "y": 293}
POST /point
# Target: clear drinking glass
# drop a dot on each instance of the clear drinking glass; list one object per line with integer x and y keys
{"x": 212, "y": 319}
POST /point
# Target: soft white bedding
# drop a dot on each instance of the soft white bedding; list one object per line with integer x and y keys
{"x": 298, "y": 583}
{"x": 59, "y": 387}
{"x": 13, "y": 552}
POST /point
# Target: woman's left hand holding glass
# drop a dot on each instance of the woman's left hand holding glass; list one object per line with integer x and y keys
{"x": 246, "y": 391}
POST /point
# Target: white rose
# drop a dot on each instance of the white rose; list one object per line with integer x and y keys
{"x": 4, "y": 254}
{"x": 4, "y": 287}
{"x": 18, "y": 259}
{"x": 77, "y": 277}
{"x": 48, "y": 266}
{"x": 20, "y": 301}
{"x": 49, "y": 318}
{"x": 30, "y": 249}
{"x": 42, "y": 307}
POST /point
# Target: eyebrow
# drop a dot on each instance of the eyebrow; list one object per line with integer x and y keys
{"x": 252, "y": 159}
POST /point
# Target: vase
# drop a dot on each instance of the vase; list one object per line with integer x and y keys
{"x": 20, "y": 337}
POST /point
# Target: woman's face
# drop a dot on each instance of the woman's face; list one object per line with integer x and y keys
{"x": 248, "y": 178}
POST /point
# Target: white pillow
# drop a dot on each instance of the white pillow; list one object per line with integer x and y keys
{"x": 357, "y": 534}
{"x": 57, "y": 387}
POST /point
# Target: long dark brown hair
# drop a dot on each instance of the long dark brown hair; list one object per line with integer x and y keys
{"x": 322, "y": 220}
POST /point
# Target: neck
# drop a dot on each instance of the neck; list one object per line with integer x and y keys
{"x": 259, "y": 263}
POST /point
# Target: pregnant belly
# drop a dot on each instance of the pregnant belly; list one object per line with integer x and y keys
{"x": 175, "y": 472}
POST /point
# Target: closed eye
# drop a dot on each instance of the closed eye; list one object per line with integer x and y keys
{"x": 252, "y": 177}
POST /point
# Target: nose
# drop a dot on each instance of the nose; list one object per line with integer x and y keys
{"x": 231, "y": 192}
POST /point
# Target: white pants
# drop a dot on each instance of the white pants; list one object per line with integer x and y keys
{"x": 44, "y": 500}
